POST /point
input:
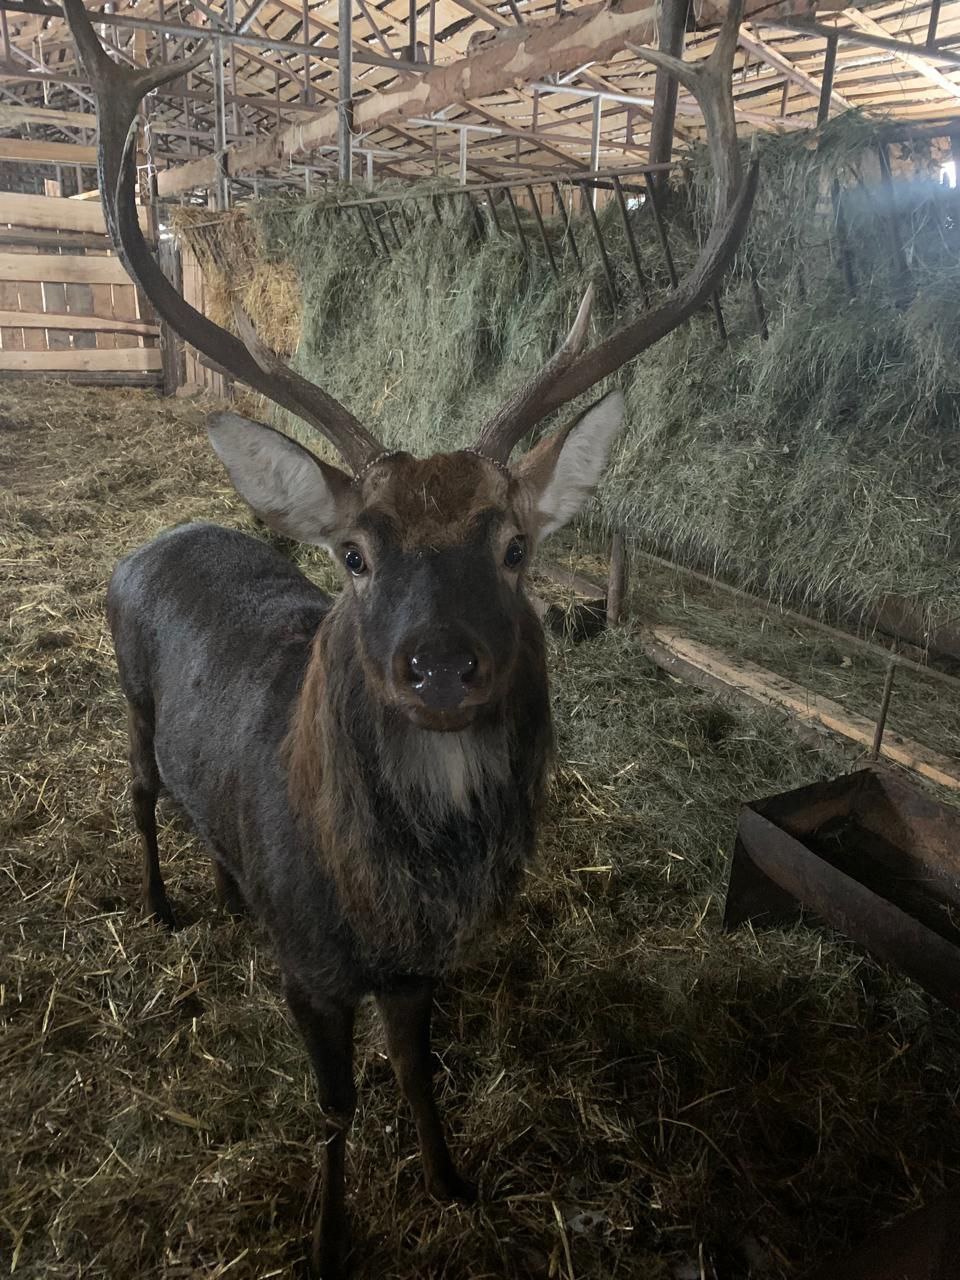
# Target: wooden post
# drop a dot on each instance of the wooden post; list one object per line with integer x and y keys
{"x": 673, "y": 24}
{"x": 617, "y": 581}
{"x": 171, "y": 353}
{"x": 826, "y": 84}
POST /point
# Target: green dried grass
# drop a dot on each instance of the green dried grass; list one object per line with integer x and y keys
{"x": 821, "y": 467}
{"x": 629, "y": 1083}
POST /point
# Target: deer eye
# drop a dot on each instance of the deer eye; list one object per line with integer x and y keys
{"x": 515, "y": 553}
{"x": 353, "y": 559}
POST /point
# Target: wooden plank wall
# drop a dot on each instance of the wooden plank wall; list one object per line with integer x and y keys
{"x": 67, "y": 307}
{"x": 197, "y": 376}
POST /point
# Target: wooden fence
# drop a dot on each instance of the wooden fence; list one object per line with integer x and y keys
{"x": 67, "y": 307}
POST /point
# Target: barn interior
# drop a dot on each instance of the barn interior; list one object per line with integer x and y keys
{"x": 649, "y": 1072}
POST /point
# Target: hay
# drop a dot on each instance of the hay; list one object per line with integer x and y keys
{"x": 821, "y": 467}
{"x": 263, "y": 286}
{"x": 628, "y": 1083}
{"x": 922, "y": 708}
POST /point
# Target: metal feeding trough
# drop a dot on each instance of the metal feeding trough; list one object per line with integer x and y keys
{"x": 871, "y": 856}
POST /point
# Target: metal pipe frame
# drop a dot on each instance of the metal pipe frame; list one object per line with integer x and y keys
{"x": 301, "y": 50}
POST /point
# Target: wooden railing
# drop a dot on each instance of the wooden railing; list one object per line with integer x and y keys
{"x": 67, "y": 307}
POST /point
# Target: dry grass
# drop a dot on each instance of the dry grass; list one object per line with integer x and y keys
{"x": 630, "y": 1084}
{"x": 265, "y": 287}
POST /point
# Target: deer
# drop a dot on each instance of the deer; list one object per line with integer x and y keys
{"x": 367, "y": 771}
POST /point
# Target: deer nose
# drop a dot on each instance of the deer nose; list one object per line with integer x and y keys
{"x": 442, "y": 680}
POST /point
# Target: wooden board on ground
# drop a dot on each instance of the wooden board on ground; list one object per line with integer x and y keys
{"x": 697, "y": 662}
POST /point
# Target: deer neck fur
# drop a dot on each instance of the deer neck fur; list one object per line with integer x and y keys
{"x": 424, "y": 834}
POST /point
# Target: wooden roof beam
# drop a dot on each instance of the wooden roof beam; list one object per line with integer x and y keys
{"x": 920, "y": 61}
{"x": 869, "y": 39}
{"x": 752, "y": 43}
{"x": 595, "y": 32}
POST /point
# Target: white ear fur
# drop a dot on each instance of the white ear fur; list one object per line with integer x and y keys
{"x": 580, "y": 464}
{"x": 284, "y": 483}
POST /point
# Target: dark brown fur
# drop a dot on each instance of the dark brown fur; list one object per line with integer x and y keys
{"x": 376, "y": 851}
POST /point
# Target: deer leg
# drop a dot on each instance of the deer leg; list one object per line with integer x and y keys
{"x": 327, "y": 1029}
{"x": 406, "y": 1011}
{"x": 228, "y": 891}
{"x": 146, "y": 786}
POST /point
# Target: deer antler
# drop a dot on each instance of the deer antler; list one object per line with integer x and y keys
{"x": 572, "y": 370}
{"x": 118, "y": 91}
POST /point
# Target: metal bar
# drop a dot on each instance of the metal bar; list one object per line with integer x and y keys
{"x": 631, "y": 241}
{"x": 932, "y": 28}
{"x": 598, "y": 232}
{"x": 893, "y": 224}
{"x": 617, "y": 580}
{"x": 826, "y": 84}
{"x": 5, "y": 36}
{"x": 220, "y": 127}
{"x": 299, "y": 50}
{"x": 477, "y": 218}
{"x": 393, "y": 226}
{"x": 231, "y": 16}
{"x": 366, "y": 230}
{"x": 380, "y": 236}
{"x": 718, "y": 316}
{"x": 463, "y": 157}
{"x": 544, "y": 239}
{"x": 517, "y": 223}
{"x": 662, "y": 232}
{"x": 491, "y": 205}
{"x": 884, "y": 708}
{"x": 516, "y": 12}
{"x": 344, "y": 122}
{"x": 596, "y": 124}
{"x": 784, "y": 98}
{"x": 569, "y": 237}
{"x": 305, "y": 29}
{"x": 759, "y": 309}
{"x": 412, "y": 31}
{"x": 431, "y": 48}
{"x": 247, "y": 21}
{"x": 840, "y": 222}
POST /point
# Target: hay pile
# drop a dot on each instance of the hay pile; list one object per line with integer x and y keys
{"x": 636, "y": 1091}
{"x": 822, "y": 466}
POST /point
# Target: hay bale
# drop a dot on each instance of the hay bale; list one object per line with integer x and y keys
{"x": 821, "y": 467}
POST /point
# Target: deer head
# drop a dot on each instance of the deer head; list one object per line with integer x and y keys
{"x": 434, "y": 551}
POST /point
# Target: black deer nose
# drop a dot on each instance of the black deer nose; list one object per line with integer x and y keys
{"x": 442, "y": 680}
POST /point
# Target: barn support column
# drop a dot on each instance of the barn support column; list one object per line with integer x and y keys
{"x": 345, "y": 103}
{"x": 673, "y": 25}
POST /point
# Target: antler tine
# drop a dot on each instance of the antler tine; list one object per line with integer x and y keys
{"x": 493, "y": 440}
{"x": 561, "y": 381}
{"x": 118, "y": 91}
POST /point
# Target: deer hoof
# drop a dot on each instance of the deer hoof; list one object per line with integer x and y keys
{"x": 159, "y": 907}
{"x": 328, "y": 1254}
{"x": 451, "y": 1186}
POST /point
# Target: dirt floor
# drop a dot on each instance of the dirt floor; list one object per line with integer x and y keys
{"x": 639, "y": 1094}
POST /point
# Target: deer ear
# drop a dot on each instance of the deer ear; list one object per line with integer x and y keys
{"x": 562, "y": 471}
{"x": 291, "y": 490}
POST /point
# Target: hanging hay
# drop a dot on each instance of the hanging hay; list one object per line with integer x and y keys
{"x": 821, "y": 467}
{"x": 237, "y": 269}
{"x": 638, "y": 1093}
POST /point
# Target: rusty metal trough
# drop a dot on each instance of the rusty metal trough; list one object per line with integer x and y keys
{"x": 869, "y": 854}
